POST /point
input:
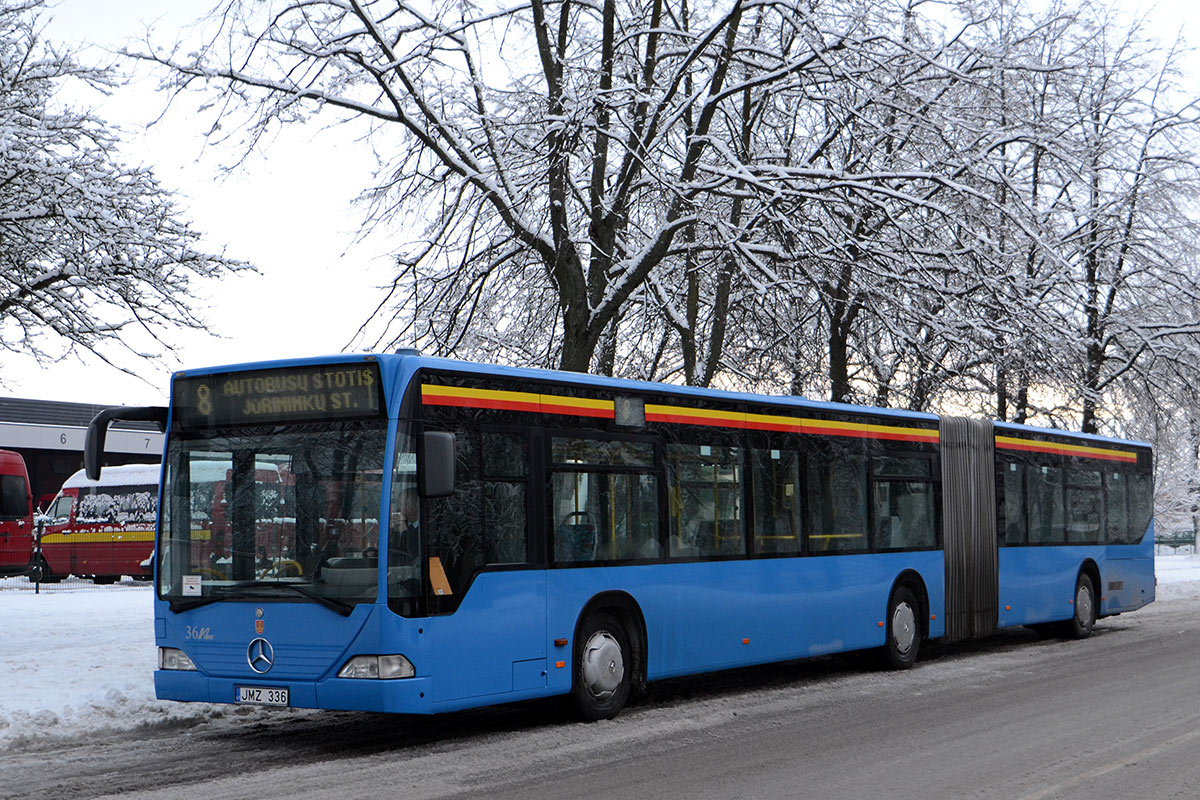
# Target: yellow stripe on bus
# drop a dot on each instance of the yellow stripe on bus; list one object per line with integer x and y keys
{"x": 704, "y": 416}
{"x": 1084, "y": 451}
{"x": 583, "y": 406}
{"x": 93, "y": 537}
{"x": 515, "y": 401}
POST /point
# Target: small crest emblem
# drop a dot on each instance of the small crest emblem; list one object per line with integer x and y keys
{"x": 259, "y": 626}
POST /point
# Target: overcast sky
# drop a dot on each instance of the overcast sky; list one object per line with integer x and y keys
{"x": 287, "y": 211}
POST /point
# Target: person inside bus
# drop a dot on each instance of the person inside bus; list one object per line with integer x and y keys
{"x": 404, "y": 537}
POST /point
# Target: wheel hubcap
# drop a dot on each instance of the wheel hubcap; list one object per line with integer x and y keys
{"x": 603, "y": 665}
{"x": 1083, "y": 605}
{"x": 904, "y": 628}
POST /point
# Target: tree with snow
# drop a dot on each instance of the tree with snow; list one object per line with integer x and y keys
{"x": 588, "y": 179}
{"x": 89, "y": 248}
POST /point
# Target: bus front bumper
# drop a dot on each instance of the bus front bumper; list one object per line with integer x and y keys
{"x": 401, "y": 696}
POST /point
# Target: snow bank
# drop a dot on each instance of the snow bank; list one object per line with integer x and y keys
{"x": 1178, "y": 577}
{"x": 72, "y": 661}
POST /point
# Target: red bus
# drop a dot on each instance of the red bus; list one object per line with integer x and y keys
{"x": 102, "y": 529}
{"x": 16, "y": 514}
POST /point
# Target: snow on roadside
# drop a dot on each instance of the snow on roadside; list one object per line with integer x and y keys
{"x": 72, "y": 661}
{"x": 1178, "y": 577}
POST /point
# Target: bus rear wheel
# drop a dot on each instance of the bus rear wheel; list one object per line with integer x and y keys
{"x": 903, "y": 629}
{"x": 1080, "y": 625}
{"x": 602, "y": 679}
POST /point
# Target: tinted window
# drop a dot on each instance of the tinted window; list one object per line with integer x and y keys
{"x": 484, "y": 521}
{"x": 904, "y": 515}
{"x": 1116, "y": 496}
{"x": 1141, "y": 506}
{"x": 837, "y": 499}
{"x": 1044, "y": 490}
{"x": 1085, "y": 505}
{"x": 705, "y": 486}
{"x": 14, "y": 502}
{"x": 605, "y": 516}
{"x": 608, "y": 453}
{"x": 1015, "y": 527}
{"x": 776, "y": 495}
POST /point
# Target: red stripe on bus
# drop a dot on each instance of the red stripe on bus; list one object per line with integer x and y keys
{"x": 578, "y": 411}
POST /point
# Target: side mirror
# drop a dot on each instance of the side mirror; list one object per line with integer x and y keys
{"x": 435, "y": 464}
{"x": 93, "y": 443}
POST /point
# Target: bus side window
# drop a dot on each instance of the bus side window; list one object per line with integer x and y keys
{"x": 777, "y": 511}
{"x": 705, "y": 487}
{"x": 1044, "y": 489}
{"x": 505, "y": 470}
{"x": 837, "y": 497}
{"x": 1085, "y": 506}
{"x": 1016, "y": 525}
{"x": 904, "y": 503}
{"x": 1116, "y": 496}
{"x": 604, "y": 501}
{"x": 1141, "y": 506}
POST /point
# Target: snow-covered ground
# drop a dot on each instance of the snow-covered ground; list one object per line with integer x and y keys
{"x": 76, "y": 660}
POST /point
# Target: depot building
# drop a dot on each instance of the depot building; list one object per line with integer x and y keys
{"x": 49, "y": 436}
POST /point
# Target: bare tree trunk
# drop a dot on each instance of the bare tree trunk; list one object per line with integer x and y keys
{"x": 1194, "y": 473}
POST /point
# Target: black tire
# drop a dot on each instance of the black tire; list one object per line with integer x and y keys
{"x": 39, "y": 572}
{"x": 903, "y": 626}
{"x": 1080, "y": 625}
{"x": 603, "y": 671}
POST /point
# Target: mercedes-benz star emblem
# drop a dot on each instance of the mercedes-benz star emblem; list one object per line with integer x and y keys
{"x": 260, "y": 655}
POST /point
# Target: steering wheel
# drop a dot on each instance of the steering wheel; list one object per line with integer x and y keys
{"x": 284, "y": 569}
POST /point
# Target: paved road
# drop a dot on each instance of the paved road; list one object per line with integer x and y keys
{"x": 1115, "y": 716}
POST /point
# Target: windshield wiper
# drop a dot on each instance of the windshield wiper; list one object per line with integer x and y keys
{"x": 345, "y": 609}
{"x": 219, "y": 593}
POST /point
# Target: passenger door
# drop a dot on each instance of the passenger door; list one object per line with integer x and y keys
{"x": 487, "y": 601}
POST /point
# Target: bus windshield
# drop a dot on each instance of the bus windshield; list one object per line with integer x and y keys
{"x": 286, "y": 511}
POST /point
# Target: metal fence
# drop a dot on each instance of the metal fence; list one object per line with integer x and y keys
{"x": 1181, "y": 542}
{"x": 70, "y": 583}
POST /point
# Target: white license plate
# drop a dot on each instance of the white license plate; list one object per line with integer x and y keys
{"x": 262, "y": 695}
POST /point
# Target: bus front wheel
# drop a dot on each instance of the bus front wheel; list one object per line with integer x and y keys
{"x": 1079, "y": 626}
{"x": 903, "y": 629}
{"x": 602, "y": 676}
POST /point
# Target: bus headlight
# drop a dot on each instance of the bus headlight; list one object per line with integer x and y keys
{"x": 378, "y": 667}
{"x": 170, "y": 658}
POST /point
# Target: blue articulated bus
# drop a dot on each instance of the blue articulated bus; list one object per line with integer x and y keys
{"x": 410, "y": 534}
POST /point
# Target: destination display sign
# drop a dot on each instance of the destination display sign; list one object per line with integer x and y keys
{"x": 288, "y": 394}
